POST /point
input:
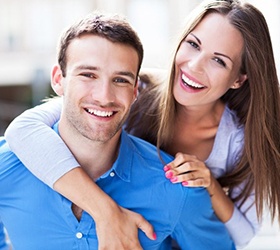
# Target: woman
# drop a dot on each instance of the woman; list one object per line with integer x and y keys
{"x": 219, "y": 108}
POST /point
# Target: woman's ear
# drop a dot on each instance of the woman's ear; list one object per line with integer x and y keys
{"x": 239, "y": 82}
{"x": 57, "y": 78}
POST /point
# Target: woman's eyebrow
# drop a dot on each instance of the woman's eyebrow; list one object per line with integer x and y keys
{"x": 197, "y": 39}
{"x": 220, "y": 54}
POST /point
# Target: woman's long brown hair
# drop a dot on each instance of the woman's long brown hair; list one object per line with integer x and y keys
{"x": 257, "y": 104}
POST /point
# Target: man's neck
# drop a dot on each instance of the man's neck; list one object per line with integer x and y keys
{"x": 95, "y": 158}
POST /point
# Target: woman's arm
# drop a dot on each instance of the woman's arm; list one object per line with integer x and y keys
{"x": 241, "y": 222}
{"x": 43, "y": 152}
{"x": 31, "y": 138}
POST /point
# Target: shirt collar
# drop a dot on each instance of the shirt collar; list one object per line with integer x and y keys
{"x": 123, "y": 165}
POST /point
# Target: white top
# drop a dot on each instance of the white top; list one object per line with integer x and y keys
{"x": 43, "y": 152}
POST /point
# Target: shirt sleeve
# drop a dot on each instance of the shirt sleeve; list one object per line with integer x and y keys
{"x": 39, "y": 147}
{"x": 243, "y": 224}
{"x": 229, "y": 143}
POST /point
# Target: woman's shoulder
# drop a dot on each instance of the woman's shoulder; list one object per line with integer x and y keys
{"x": 230, "y": 120}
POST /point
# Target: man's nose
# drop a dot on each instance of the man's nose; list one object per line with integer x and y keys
{"x": 104, "y": 92}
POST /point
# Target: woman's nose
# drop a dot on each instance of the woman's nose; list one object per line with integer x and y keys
{"x": 197, "y": 63}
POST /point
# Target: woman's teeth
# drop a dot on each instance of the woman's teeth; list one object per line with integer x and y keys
{"x": 191, "y": 83}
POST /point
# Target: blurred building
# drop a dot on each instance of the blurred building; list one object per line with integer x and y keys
{"x": 29, "y": 31}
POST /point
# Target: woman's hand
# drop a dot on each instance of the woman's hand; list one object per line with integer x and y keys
{"x": 188, "y": 170}
{"x": 120, "y": 230}
{"x": 192, "y": 172}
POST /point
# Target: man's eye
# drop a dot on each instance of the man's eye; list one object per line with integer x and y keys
{"x": 121, "y": 80}
{"x": 89, "y": 75}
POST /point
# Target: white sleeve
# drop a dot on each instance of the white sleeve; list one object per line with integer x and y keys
{"x": 244, "y": 224}
{"x": 39, "y": 148}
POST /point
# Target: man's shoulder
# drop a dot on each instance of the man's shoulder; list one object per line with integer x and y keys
{"x": 7, "y": 158}
{"x": 149, "y": 151}
{"x": 4, "y": 148}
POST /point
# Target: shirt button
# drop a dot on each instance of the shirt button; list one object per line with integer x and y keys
{"x": 112, "y": 174}
{"x": 79, "y": 235}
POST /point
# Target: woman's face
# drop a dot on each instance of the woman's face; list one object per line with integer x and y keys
{"x": 208, "y": 62}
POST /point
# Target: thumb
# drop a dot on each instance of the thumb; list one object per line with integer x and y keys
{"x": 146, "y": 227}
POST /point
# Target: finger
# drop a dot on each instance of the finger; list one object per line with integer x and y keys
{"x": 200, "y": 182}
{"x": 146, "y": 227}
{"x": 185, "y": 168}
{"x": 181, "y": 158}
{"x": 195, "y": 175}
{"x": 184, "y": 177}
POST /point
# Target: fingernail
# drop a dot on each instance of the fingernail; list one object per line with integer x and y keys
{"x": 166, "y": 168}
{"x": 154, "y": 236}
{"x": 169, "y": 175}
{"x": 173, "y": 179}
{"x": 185, "y": 183}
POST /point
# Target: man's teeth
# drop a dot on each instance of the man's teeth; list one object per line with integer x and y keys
{"x": 191, "y": 83}
{"x": 100, "y": 113}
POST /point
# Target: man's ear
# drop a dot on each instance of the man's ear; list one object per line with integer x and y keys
{"x": 136, "y": 91}
{"x": 57, "y": 77}
{"x": 239, "y": 82}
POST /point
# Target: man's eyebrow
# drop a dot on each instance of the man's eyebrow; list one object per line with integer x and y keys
{"x": 126, "y": 73}
{"x": 215, "y": 53}
{"x": 87, "y": 67}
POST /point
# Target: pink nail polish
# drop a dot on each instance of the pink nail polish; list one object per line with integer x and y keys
{"x": 185, "y": 183}
{"x": 154, "y": 236}
{"x": 169, "y": 175}
{"x": 174, "y": 179}
{"x": 166, "y": 168}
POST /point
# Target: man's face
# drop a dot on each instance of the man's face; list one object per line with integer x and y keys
{"x": 99, "y": 87}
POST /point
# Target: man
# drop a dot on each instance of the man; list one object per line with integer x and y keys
{"x": 98, "y": 64}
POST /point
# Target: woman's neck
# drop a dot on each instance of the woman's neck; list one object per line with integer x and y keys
{"x": 195, "y": 130}
{"x": 200, "y": 115}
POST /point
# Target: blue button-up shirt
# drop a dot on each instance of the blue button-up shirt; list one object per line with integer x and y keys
{"x": 3, "y": 240}
{"x": 37, "y": 217}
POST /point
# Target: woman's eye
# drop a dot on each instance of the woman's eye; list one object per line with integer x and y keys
{"x": 193, "y": 44}
{"x": 220, "y": 61}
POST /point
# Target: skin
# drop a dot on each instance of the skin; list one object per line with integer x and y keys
{"x": 207, "y": 65}
{"x": 98, "y": 89}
